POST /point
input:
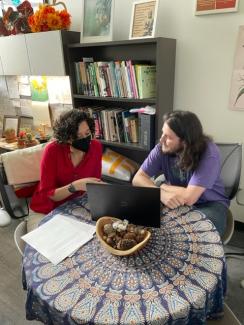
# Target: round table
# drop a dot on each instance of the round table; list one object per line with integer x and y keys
{"x": 178, "y": 278}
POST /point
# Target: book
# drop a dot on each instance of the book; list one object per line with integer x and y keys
{"x": 119, "y": 124}
{"x": 79, "y": 87}
{"x": 83, "y": 78}
{"x": 146, "y": 80}
{"x": 127, "y": 116}
{"x": 146, "y": 130}
{"x": 102, "y": 79}
{"x": 134, "y": 130}
{"x": 112, "y": 126}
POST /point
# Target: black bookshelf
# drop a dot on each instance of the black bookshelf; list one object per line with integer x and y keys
{"x": 156, "y": 51}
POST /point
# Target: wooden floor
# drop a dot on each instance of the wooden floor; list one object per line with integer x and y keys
{"x": 12, "y": 296}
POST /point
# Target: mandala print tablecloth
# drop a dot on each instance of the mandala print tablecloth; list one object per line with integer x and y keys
{"x": 178, "y": 278}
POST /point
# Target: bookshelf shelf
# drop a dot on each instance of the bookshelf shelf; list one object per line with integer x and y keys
{"x": 130, "y": 146}
{"x": 158, "y": 52}
{"x": 116, "y": 99}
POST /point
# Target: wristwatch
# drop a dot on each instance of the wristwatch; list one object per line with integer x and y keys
{"x": 71, "y": 188}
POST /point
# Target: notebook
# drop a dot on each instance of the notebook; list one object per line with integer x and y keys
{"x": 139, "y": 205}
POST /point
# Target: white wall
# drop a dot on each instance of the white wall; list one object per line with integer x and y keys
{"x": 204, "y": 61}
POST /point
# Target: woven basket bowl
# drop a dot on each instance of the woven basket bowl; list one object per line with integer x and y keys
{"x": 99, "y": 232}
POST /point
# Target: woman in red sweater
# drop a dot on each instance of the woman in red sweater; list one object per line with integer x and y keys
{"x": 68, "y": 163}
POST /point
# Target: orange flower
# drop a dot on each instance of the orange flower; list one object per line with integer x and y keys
{"x": 48, "y": 10}
{"x": 47, "y": 18}
{"x": 65, "y": 17}
{"x": 54, "y": 21}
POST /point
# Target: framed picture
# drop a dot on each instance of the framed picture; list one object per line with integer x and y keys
{"x": 17, "y": 122}
{"x": 10, "y": 122}
{"x": 97, "y": 21}
{"x": 25, "y": 122}
{"x": 143, "y": 19}
{"x": 236, "y": 101}
{"x": 203, "y": 7}
{"x": 55, "y": 110}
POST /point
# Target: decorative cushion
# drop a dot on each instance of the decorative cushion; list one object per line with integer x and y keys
{"x": 118, "y": 166}
{"x": 23, "y": 165}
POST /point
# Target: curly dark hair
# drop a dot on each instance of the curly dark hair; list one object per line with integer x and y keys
{"x": 187, "y": 126}
{"x": 66, "y": 127}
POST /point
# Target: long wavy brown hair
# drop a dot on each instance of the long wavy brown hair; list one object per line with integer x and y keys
{"x": 187, "y": 126}
{"x": 66, "y": 127}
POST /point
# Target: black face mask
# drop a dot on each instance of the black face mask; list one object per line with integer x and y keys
{"x": 82, "y": 144}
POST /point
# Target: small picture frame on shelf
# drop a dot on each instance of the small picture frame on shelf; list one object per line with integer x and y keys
{"x": 17, "y": 123}
{"x": 143, "y": 19}
{"x": 10, "y": 123}
{"x": 25, "y": 122}
{"x": 203, "y": 7}
{"x": 97, "y": 21}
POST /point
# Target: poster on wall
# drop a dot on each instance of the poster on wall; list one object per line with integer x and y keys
{"x": 237, "y": 81}
{"x": 59, "y": 90}
{"x": 204, "y": 7}
{"x": 38, "y": 86}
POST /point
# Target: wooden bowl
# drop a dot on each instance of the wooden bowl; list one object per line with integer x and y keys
{"x": 99, "y": 231}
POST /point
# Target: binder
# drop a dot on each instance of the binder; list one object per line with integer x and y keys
{"x": 147, "y": 131}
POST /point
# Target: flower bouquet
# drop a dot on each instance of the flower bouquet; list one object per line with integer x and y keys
{"x": 47, "y": 18}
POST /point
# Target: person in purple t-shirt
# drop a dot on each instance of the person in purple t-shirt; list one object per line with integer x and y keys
{"x": 190, "y": 162}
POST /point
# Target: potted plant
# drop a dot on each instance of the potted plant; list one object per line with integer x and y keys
{"x": 30, "y": 141}
{"x": 10, "y": 135}
{"x": 21, "y": 139}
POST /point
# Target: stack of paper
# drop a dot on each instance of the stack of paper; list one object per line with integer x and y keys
{"x": 59, "y": 237}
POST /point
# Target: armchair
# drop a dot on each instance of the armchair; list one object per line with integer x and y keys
{"x": 231, "y": 159}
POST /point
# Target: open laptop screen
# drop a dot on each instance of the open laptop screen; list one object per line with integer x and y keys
{"x": 139, "y": 205}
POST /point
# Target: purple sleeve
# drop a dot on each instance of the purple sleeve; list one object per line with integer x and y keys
{"x": 152, "y": 165}
{"x": 208, "y": 170}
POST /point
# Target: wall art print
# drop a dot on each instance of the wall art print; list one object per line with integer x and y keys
{"x": 237, "y": 81}
{"x": 204, "y": 7}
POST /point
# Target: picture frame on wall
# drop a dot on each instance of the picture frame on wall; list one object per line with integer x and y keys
{"x": 143, "y": 19}
{"x": 236, "y": 99}
{"x": 97, "y": 21}
{"x": 203, "y": 7}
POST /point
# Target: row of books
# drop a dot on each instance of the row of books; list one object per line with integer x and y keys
{"x": 115, "y": 79}
{"x": 119, "y": 125}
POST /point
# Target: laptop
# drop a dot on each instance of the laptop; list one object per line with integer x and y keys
{"x": 139, "y": 205}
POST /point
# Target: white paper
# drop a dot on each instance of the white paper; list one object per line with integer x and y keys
{"x": 26, "y": 106}
{"x": 59, "y": 237}
{"x": 59, "y": 90}
{"x": 40, "y": 113}
{"x": 24, "y": 90}
{"x": 23, "y": 79}
{"x": 12, "y": 85}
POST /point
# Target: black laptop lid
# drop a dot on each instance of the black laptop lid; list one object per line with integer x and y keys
{"x": 139, "y": 205}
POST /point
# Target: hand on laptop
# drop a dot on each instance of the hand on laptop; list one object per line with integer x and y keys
{"x": 80, "y": 184}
